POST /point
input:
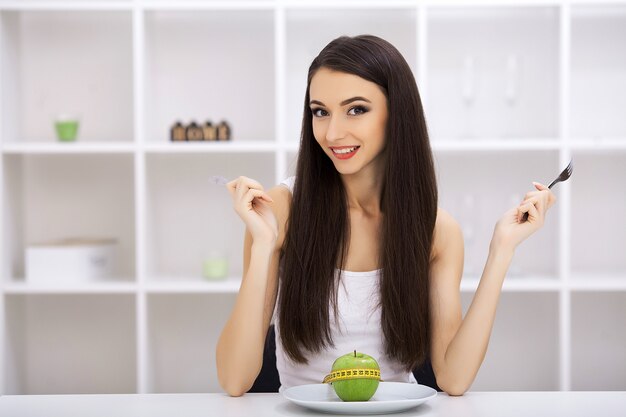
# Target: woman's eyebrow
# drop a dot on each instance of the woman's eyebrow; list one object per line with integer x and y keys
{"x": 343, "y": 103}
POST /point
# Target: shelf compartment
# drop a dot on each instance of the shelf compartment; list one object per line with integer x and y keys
{"x": 191, "y": 73}
{"x": 65, "y": 5}
{"x": 181, "y": 355}
{"x": 212, "y": 147}
{"x": 597, "y": 283}
{"x": 306, "y": 37}
{"x": 67, "y": 148}
{"x": 208, "y": 5}
{"x": 495, "y": 145}
{"x": 178, "y": 285}
{"x": 68, "y": 344}
{"x": 598, "y": 358}
{"x": 189, "y": 216}
{"x": 67, "y": 61}
{"x": 598, "y": 144}
{"x": 81, "y": 195}
{"x": 516, "y": 284}
{"x": 89, "y": 288}
{"x": 523, "y": 349}
{"x": 598, "y": 65}
{"x": 598, "y": 227}
{"x": 489, "y": 76}
{"x": 491, "y": 184}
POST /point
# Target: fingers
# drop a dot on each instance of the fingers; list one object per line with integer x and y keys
{"x": 543, "y": 192}
{"x": 252, "y": 193}
{"x": 543, "y": 188}
{"x": 551, "y": 197}
{"x": 245, "y": 190}
{"x": 536, "y": 201}
{"x": 240, "y": 186}
{"x": 234, "y": 183}
{"x": 533, "y": 213}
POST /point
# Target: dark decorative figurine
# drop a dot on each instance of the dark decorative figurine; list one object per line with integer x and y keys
{"x": 223, "y": 131}
{"x": 210, "y": 131}
{"x": 194, "y": 132}
{"x": 177, "y": 132}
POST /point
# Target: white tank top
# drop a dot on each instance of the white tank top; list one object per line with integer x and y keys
{"x": 358, "y": 328}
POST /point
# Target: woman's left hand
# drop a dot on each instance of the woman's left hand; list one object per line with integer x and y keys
{"x": 509, "y": 231}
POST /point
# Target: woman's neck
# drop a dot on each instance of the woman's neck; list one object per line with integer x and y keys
{"x": 364, "y": 192}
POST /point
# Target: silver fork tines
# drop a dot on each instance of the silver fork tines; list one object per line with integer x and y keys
{"x": 565, "y": 174}
{"x": 218, "y": 179}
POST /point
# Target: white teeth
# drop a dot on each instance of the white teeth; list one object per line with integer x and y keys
{"x": 347, "y": 150}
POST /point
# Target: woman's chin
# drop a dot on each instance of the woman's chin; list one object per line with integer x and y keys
{"x": 347, "y": 170}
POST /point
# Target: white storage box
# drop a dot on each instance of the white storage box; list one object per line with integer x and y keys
{"x": 70, "y": 261}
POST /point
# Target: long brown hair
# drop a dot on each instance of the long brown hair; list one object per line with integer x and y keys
{"x": 317, "y": 235}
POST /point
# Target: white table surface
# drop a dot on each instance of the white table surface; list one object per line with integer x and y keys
{"x": 474, "y": 404}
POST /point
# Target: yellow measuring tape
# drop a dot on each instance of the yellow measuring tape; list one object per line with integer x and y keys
{"x": 343, "y": 374}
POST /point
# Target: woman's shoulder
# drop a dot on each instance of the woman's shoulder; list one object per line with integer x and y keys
{"x": 282, "y": 197}
{"x": 446, "y": 227}
{"x": 289, "y": 183}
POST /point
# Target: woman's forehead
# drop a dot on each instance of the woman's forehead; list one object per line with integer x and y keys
{"x": 333, "y": 87}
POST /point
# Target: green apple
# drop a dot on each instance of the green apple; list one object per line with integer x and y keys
{"x": 355, "y": 388}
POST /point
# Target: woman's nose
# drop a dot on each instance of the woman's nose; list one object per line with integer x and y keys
{"x": 335, "y": 129}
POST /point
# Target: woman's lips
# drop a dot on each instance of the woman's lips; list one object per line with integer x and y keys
{"x": 347, "y": 155}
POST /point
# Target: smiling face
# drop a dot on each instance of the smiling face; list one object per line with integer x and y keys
{"x": 349, "y": 120}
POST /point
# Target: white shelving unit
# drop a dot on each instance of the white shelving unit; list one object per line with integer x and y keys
{"x": 512, "y": 90}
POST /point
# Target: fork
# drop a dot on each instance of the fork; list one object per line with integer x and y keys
{"x": 218, "y": 180}
{"x": 563, "y": 176}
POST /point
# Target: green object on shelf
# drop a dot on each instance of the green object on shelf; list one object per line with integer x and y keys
{"x": 215, "y": 268}
{"x": 66, "y": 130}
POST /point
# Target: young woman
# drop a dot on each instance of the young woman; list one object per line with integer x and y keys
{"x": 353, "y": 252}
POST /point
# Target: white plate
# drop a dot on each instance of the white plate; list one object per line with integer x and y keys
{"x": 390, "y": 397}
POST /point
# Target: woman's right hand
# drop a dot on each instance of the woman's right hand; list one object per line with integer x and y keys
{"x": 252, "y": 204}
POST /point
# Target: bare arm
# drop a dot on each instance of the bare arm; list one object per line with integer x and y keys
{"x": 458, "y": 346}
{"x": 239, "y": 352}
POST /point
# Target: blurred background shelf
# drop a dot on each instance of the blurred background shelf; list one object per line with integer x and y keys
{"x": 87, "y": 288}
{"x": 595, "y": 283}
{"x": 497, "y": 77}
{"x": 496, "y": 145}
{"x": 232, "y": 76}
{"x": 59, "y": 148}
{"x": 511, "y": 91}
{"x": 598, "y": 86}
{"x": 526, "y": 329}
{"x": 45, "y": 73}
{"x": 229, "y": 285}
{"x": 469, "y": 284}
{"x": 599, "y": 144}
{"x": 43, "y": 5}
{"x": 77, "y": 343}
{"x": 598, "y": 356}
{"x": 221, "y": 147}
{"x": 181, "y": 345}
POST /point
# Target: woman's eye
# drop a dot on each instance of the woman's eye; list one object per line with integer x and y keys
{"x": 354, "y": 111}
{"x": 315, "y": 112}
{"x": 359, "y": 109}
